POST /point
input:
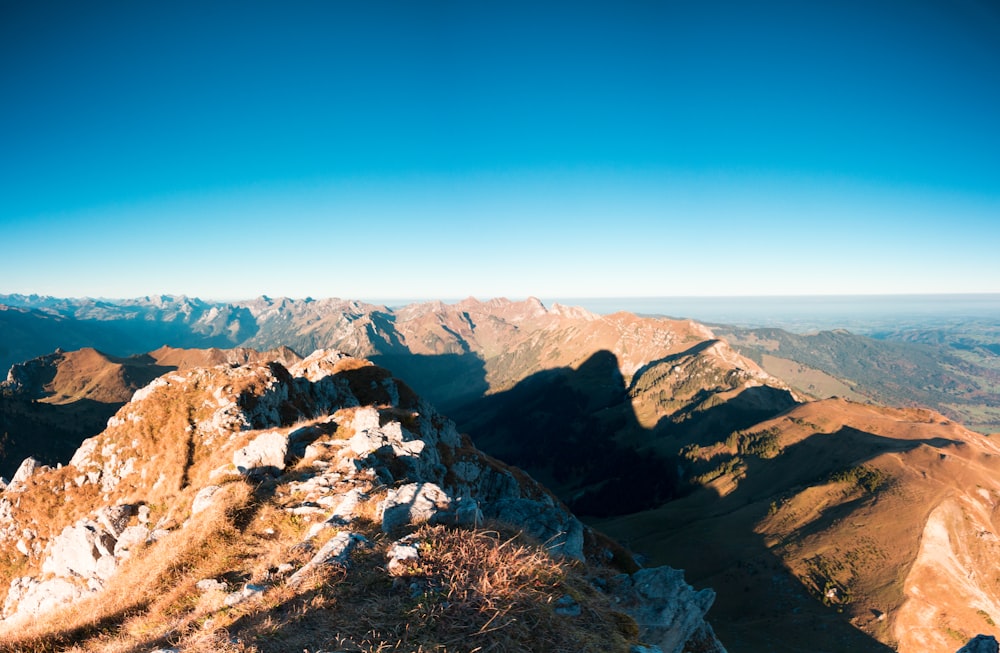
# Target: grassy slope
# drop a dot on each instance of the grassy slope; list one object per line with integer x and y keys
{"x": 839, "y": 505}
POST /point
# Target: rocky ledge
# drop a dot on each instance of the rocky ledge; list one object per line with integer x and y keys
{"x": 317, "y": 465}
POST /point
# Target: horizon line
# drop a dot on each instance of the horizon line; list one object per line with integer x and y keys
{"x": 514, "y": 297}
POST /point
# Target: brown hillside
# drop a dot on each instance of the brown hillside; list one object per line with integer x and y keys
{"x": 50, "y": 404}
{"x": 885, "y": 516}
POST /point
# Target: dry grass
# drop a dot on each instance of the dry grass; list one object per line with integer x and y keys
{"x": 472, "y": 590}
{"x": 153, "y": 594}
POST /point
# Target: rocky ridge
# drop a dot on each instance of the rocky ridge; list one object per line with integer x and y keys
{"x": 50, "y": 404}
{"x": 306, "y": 470}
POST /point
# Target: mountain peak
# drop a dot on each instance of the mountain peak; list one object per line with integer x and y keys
{"x": 220, "y": 491}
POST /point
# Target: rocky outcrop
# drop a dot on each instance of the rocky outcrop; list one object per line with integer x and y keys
{"x": 336, "y": 443}
{"x": 668, "y": 610}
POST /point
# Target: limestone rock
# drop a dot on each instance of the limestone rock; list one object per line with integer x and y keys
{"x": 248, "y": 592}
{"x": 669, "y": 612}
{"x": 130, "y": 539}
{"x": 78, "y": 550}
{"x": 210, "y": 585}
{"x": 413, "y": 503}
{"x": 30, "y": 598}
{"x": 401, "y": 556}
{"x": 562, "y": 532}
{"x": 203, "y": 500}
{"x": 264, "y": 455}
{"x": 115, "y": 518}
{"x": 335, "y": 551}
{"x": 27, "y": 469}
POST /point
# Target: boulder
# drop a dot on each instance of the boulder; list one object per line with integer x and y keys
{"x": 78, "y": 550}
{"x": 413, "y": 503}
{"x": 130, "y": 539}
{"x": 401, "y": 557}
{"x": 28, "y": 468}
{"x": 266, "y": 454}
{"x": 31, "y": 598}
{"x": 543, "y": 520}
{"x": 115, "y": 518}
{"x": 211, "y": 585}
{"x": 248, "y": 592}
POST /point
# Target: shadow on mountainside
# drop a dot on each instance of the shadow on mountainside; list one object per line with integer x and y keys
{"x": 760, "y": 604}
{"x": 38, "y": 422}
{"x": 576, "y": 431}
{"x": 49, "y": 433}
{"x": 669, "y": 360}
{"x": 447, "y": 381}
{"x": 707, "y": 417}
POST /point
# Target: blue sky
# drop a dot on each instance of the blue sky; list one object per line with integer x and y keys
{"x": 445, "y": 149}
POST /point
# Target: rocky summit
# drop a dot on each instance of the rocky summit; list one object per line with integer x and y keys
{"x": 315, "y": 505}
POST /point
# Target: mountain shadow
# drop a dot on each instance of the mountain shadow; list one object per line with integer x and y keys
{"x": 447, "y": 381}
{"x": 49, "y": 433}
{"x": 574, "y": 430}
{"x": 761, "y": 605}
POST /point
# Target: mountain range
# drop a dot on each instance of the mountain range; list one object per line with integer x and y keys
{"x": 823, "y": 524}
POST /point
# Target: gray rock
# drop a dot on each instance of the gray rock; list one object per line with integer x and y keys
{"x": 78, "y": 549}
{"x": 669, "y": 612}
{"x": 401, "y": 556}
{"x": 413, "y": 503}
{"x": 115, "y": 518}
{"x": 335, "y": 551}
{"x": 210, "y": 585}
{"x": 204, "y": 499}
{"x": 28, "y": 468}
{"x": 344, "y": 512}
{"x": 130, "y": 539}
{"x": 367, "y": 441}
{"x": 265, "y": 454}
{"x": 248, "y": 592}
{"x": 31, "y": 598}
{"x": 560, "y": 530}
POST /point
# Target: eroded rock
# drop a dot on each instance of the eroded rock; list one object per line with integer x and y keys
{"x": 266, "y": 454}
{"x": 669, "y": 612}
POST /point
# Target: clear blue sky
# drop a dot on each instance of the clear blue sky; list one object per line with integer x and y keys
{"x": 442, "y": 149}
